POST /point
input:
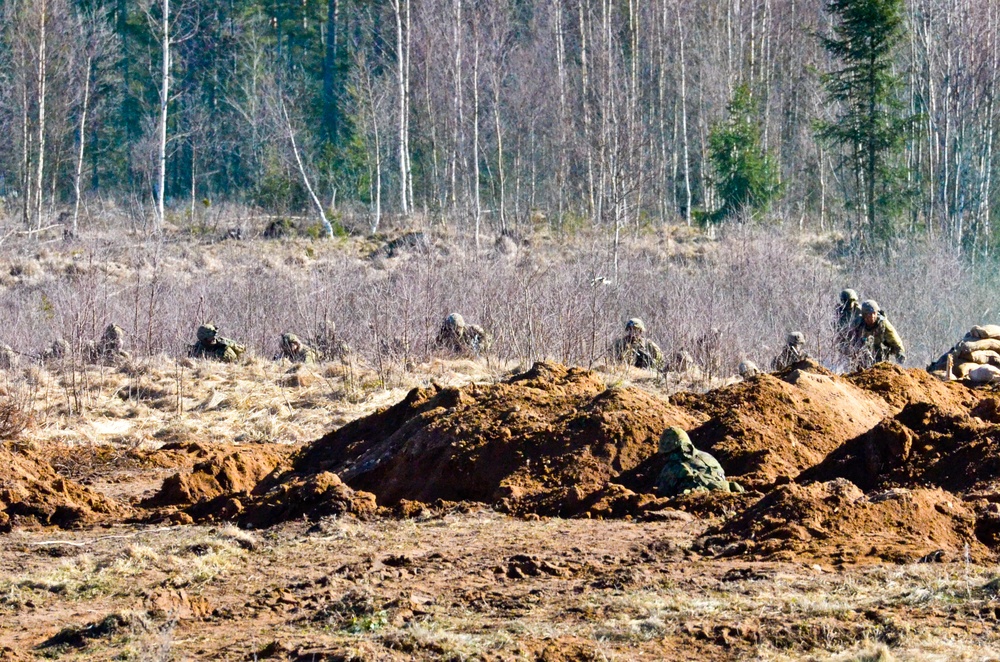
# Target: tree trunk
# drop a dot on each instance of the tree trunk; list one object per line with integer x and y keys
{"x": 164, "y": 102}
{"x": 79, "y": 160}
{"x": 327, "y": 228}
{"x": 42, "y": 81}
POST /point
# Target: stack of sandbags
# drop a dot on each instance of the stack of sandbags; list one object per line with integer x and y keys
{"x": 976, "y": 358}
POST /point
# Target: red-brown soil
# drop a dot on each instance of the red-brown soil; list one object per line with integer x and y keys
{"x": 548, "y": 441}
{"x": 836, "y": 520}
{"x": 774, "y": 426}
{"x": 32, "y": 492}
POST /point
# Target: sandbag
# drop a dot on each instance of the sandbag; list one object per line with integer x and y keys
{"x": 967, "y": 347}
{"x": 984, "y": 331}
{"x": 962, "y": 370}
{"x": 984, "y": 374}
{"x": 984, "y": 357}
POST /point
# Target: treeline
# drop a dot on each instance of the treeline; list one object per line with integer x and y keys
{"x": 486, "y": 114}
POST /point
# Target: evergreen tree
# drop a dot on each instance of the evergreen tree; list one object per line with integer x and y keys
{"x": 746, "y": 176}
{"x": 870, "y": 124}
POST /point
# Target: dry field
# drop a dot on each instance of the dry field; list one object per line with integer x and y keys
{"x": 132, "y": 488}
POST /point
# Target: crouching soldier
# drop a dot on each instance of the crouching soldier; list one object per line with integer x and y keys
{"x": 296, "y": 351}
{"x": 635, "y": 349}
{"x": 211, "y": 345}
{"x": 461, "y": 338}
{"x": 874, "y": 339}
{"x": 110, "y": 347}
{"x": 793, "y": 352}
{"x": 688, "y": 469}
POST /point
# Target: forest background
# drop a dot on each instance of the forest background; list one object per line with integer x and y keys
{"x": 604, "y": 119}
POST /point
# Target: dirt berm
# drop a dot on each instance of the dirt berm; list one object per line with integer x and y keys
{"x": 548, "y": 441}
{"x": 32, "y": 492}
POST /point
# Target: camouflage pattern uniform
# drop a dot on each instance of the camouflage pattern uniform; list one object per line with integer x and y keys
{"x": 848, "y": 315}
{"x": 875, "y": 343}
{"x": 461, "y": 338}
{"x": 296, "y": 351}
{"x": 794, "y": 351}
{"x": 210, "y": 345}
{"x": 748, "y": 369}
{"x": 688, "y": 469}
{"x": 109, "y": 347}
{"x": 8, "y": 357}
{"x": 635, "y": 349}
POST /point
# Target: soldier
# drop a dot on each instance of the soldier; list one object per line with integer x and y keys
{"x": 635, "y": 349}
{"x": 460, "y": 337}
{"x": 794, "y": 351}
{"x": 60, "y": 349}
{"x": 211, "y": 345}
{"x": 874, "y": 339}
{"x": 110, "y": 347}
{"x": 848, "y": 314}
{"x": 688, "y": 469}
{"x": 295, "y": 350}
{"x": 8, "y": 357}
{"x": 748, "y": 369}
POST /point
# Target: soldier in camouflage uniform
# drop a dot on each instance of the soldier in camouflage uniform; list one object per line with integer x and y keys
{"x": 110, "y": 347}
{"x": 793, "y": 352}
{"x": 461, "y": 338}
{"x": 874, "y": 339}
{"x": 848, "y": 314}
{"x": 635, "y": 349}
{"x": 688, "y": 469}
{"x": 211, "y": 345}
{"x": 296, "y": 351}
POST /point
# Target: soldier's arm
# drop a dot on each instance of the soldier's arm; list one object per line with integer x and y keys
{"x": 892, "y": 340}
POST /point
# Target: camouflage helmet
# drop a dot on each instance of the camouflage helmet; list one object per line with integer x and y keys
{"x": 870, "y": 307}
{"x": 635, "y": 324}
{"x": 795, "y": 338}
{"x": 748, "y": 369}
{"x": 207, "y": 332}
{"x": 848, "y": 295}
{"x": 114, "y": 332}
{"x": 454, "y": 321}
{"x": 674, "y": 439}
{"x": 289, "y": 339}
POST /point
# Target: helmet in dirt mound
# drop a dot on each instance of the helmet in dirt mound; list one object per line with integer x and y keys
{"x": 635, "y": 324}
{"x": 870, "y": 307}
{"x": 207, "y": 332}
{"x": 747, "y": 369}
{"x": 848, "y": 295}
{"x": 455, "y": 321}
{"x": 795, "y": 338}
{"x": 673, "y": 439}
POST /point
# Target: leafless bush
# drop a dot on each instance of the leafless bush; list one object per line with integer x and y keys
{"x": 721, "y": 301}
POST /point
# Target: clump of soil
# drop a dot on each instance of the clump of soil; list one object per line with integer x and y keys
{"x": 225, "y": 470}
{"x": 319, "y": 495}
{"x": 548, "y": 441}
{"x": 836, "y": 521}
{"x": 774, "y": 426}
{"x": 31, "y": 491}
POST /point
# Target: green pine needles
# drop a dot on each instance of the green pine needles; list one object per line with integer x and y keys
{"x": 870, "y": 128}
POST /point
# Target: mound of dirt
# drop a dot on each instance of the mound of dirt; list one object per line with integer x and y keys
{"x": 901, "y": 386}
{"x": 836, "y": 521}
{"x": 548, "y": 441}
{"x": 31, "y": 491}
{"x": 774, "y": 426}
{"x": 223, "y": 471}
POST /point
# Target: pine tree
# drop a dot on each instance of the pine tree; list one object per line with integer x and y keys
{"x": 870, "y": 125}
{"x": 746, "y": 176}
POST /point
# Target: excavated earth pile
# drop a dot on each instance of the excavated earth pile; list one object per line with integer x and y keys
{"x": 549, "y": 441}
{"x": 838, "y": 521}
{"x": 883, "y": 464}
{"x": 773, "y": 426}
{"x": 32, "y": 492}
